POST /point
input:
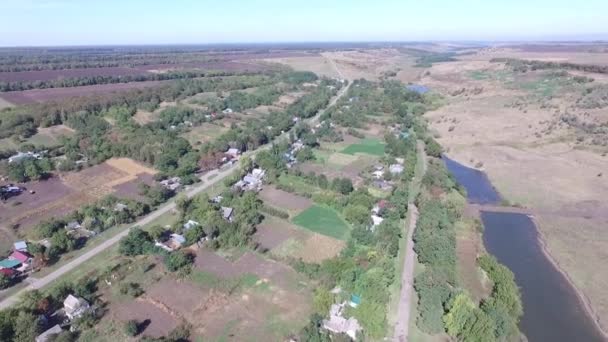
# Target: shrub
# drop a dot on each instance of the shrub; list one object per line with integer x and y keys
{"x": 275, "y": 212}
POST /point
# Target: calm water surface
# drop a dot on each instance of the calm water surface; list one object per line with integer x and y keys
{"x": 552, "y": 309}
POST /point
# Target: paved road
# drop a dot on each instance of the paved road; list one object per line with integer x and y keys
{"x": 407, "y": 276}
{"x": 208, "y": 179}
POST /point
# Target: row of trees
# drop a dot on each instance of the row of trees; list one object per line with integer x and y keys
{"x": 111, "y": 79}
{"x": 443, "y": 305}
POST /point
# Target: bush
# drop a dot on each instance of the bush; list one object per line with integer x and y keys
{"x": 131, "y": 289}
{"x": 131, "y": 328}
{"x": 178, "y": 260}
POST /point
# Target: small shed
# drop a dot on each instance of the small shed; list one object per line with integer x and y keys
{"x": 20, "y": 246}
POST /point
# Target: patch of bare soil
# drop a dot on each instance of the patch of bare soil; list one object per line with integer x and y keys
{"x": 159, "y": 322}
{"x": 284, "y": 199}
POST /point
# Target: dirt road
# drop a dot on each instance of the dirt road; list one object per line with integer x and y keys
{"x": 407, "y": 280}
{"x": 208, "y": 179}
{"x": 407, "y": 277}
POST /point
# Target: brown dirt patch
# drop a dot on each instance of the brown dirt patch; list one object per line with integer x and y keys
{"x": 51, "y": 197}
{"x": 161, "y": 322}
{"x": 130, "y": 189}
{"x": 283, "y": 199}
{"x": 273, "y": 231}
{"x": 284, "y": 239}
{"x": 55, "y": 94}
{"x": 318, "y": 248}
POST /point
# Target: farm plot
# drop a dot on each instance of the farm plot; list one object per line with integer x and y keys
{"x": 159, "y": 321}
{"x": 324, "y": 221}
{"x": 48, "y": 75}
{"x": 59, "y": 196}
{"x": 267, "y": 304}
{"x": 368, "y": 146}
{"x": 204, "y": 133}
{"x": 56, "y": 94}
{"x": 46, "y": 137}
{"x": 283, "y": 199}
{"x": 284, "y": 239}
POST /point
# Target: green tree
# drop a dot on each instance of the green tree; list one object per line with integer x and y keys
{"x": 178, "y": 260}
{"x": 137, "y": 242}
{"x": 322, "y": 301}
{"x": 131, "y": 328}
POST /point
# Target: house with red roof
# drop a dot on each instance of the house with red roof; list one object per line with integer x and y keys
{"x": 8, "y": 272}
{"x": 23, "y": 257}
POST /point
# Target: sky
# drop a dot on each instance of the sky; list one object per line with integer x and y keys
{"x": 110, "y": 22}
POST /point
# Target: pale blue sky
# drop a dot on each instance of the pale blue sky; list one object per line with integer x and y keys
{"x": 91, "y": 22}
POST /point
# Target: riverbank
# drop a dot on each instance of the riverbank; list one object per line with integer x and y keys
{"x": 585, "y": 301}
{"x": 474, "y": 210}
{"x": 514, "y": 236}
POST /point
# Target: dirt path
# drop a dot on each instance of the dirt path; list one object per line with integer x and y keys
{"x": 407, "y": 277}
{"x": 407, "y": 280}
{"x": 208, "y": 179}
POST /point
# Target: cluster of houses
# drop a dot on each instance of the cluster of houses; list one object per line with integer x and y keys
{"x": 18, "y": 262}
{"x": 21, "y": 156}
{"x": 290, "y": 156}
{"x": 177, "y": 241}
{"x": 73, "y": 308}
{"x": 379, "y": 172}
{"x": 252, "y": 181}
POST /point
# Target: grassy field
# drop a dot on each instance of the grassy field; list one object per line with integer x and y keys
{"x": 369, "y": 146}
{"x": 324, "y": 221}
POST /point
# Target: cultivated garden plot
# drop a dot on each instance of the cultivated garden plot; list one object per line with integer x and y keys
{"x": 368, "y": 146}
{"x": 284, "y": 239}
{"x": 323, "y": 220}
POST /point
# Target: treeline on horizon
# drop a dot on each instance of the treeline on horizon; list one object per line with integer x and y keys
{"x": 525, "y": 65}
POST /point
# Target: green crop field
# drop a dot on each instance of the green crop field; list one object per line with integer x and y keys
{"x": 369, "y": 146}
{"x": 323, "y": 221}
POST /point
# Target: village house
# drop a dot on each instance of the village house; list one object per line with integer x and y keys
{"x": 251, "y": 181}
{"x": 75, "y": 307}
{"x": 8, "y": 273}
{"x": 190, "y": 224}
{"x": 173, "y": 183}
{"x": 174, "y": 243}
{"x": 233, "y": 153}
{"x": 50, "y": 334}
{"x": 73, "y": 225}
{"x": 227, "y": 213}
{"x": 21, "y": 156}
{"x": 382, "y": 185}
{"x": 20, "y": 246}
{"x": 340, "y": 325}
{"x": 395, "y": 169}
{"x": 24, "y": 258}
{"x": 10, "y": 264}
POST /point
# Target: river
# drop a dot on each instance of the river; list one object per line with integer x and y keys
{"x": 552, "y": 309}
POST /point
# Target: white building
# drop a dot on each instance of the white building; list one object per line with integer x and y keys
{"x": 340, "y": 325}
{"x": 75, "y": 307}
